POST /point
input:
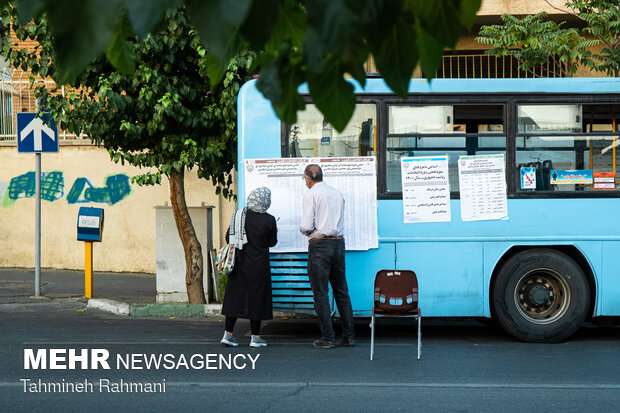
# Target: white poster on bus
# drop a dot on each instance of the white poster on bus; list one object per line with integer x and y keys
{"x": 355, "y": 177}
{"x": 426, "y": 189}
{"x": 482, "y": 181}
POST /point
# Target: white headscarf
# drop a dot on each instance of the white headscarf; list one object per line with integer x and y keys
{"x": 258, "y": 201}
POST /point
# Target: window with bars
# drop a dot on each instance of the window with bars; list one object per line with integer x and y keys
{"x": 18, "y": 96}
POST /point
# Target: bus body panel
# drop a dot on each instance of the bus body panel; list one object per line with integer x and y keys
{"x": 449, "y": 276}
{"x": 609, "y": 290}
{"x": 548, "y": 85}
{"x": 531, "y": 219}
{"x": 456, "y": 283}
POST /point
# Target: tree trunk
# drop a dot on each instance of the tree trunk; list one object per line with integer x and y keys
{"x": 191, "y": 245}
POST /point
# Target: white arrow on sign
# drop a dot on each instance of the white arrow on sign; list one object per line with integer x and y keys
{"x": 37, "y": 126}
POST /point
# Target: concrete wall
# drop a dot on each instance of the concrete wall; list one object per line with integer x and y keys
{"x": 129, "y": 232}
{"x": 520, "y": 7}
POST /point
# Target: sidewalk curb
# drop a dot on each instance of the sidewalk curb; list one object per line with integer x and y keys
{"x": 213, "y": 310}
{"x": 155, "y": 310}
{"x": 111, "y": 306}
{"x": 176, "y": 310}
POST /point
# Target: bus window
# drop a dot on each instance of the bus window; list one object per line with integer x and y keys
{"x": 420, "y": 119}
{"x": 441, "y": 130}
{"x": 312, "y": 136}
{"x": 549, "y": 118}
{"x": 567, "y": 138}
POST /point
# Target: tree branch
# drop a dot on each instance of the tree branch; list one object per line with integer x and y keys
{"x": 563, "y": 11}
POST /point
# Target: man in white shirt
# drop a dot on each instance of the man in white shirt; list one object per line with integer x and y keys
{"x": 322, "y": 222}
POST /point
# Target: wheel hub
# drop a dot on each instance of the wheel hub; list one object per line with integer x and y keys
{"x": 542, "y": 296}
{"x": 537, "y": 295}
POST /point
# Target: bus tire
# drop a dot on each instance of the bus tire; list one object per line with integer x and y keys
{"x": 540, "y": 295}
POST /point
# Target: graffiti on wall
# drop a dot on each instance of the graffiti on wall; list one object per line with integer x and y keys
{"x": 23, "y": 186}
{"x": 115, "y": 189}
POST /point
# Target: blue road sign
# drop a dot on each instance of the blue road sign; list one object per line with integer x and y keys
{"x": 35, "y": 134}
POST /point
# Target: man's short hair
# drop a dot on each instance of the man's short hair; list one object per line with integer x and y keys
{"x": 314, "y": 172}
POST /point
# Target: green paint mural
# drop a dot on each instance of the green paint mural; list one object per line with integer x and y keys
{"x": 23, "y": 186}
{"x": 116, "y": 188}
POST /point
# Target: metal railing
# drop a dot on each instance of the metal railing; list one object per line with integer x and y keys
{"x": 18, "y": 96}
{"x": 480, "y": 66}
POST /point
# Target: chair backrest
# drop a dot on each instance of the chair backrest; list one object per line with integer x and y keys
{"x": 396, "y": 291}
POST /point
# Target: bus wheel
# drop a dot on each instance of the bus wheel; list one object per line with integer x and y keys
{"x": 540, "y": 295}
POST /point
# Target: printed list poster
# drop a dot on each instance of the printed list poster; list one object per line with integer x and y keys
{"x": 354, "y": 177}
{"x": 426, "y": 189}
{"x": 482, "y": 180}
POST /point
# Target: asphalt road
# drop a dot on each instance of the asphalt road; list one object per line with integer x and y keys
{"x": 465, "y": 366}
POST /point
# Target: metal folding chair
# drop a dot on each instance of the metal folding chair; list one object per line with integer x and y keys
{"x": 396, "y": 295}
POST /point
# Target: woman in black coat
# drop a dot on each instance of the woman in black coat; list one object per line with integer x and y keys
{"x": 248, "y": 291}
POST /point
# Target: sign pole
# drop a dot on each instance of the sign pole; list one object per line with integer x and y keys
{"x": 88, "y": 269}
{"x": 36, "y": 135}
{"x": 37, "y": 227}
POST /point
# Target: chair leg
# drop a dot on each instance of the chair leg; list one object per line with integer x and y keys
{"x": 372, "y": 335}
{"x": 419, "y": 317}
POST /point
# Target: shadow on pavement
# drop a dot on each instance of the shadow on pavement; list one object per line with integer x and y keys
{"x": 17, "y": 285}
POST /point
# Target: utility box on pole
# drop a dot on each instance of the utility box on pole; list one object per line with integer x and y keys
{"x": 89, "y": 230}
{"x": 90, "y": 224}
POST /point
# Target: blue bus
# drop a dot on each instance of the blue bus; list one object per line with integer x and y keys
{"x": 552, "y": 264}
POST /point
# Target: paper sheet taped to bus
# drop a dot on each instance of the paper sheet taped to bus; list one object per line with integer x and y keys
{"x": 482, "y": 179}
{"x": 355, "y": 177}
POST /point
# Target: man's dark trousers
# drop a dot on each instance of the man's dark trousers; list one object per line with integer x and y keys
{"x": 326, "y": 265}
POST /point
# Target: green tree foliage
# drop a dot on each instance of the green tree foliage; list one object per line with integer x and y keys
{"x": 534, "y": 40}
{"x": 164, "y": 116}
{"x": 297, "y": 41}
{"x": 603, "y": 22}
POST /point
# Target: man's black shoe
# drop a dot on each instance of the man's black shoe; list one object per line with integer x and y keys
{"x": 323, "y": 344}
{"x": 348, "y": 342}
